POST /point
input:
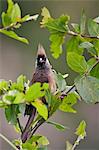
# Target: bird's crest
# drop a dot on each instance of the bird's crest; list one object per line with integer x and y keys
{"x": 41, "y": 50}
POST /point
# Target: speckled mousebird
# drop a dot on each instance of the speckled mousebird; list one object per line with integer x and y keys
{"x": 43, "y": 73}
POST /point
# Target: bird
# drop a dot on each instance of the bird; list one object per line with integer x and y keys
{"x": 43, "y": 73}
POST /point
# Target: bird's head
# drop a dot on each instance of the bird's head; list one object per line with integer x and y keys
{"x": 42, "y": 60}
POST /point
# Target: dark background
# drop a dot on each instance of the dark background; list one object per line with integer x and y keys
{"x": 18, "y": 58}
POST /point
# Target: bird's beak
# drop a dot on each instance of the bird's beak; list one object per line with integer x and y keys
{"x": 41, "y": 60}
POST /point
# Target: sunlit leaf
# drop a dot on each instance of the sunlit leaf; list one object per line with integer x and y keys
{"x": 46, "y": 15}
{"x": 13, "y": 35}
{"x": 41, "y": 108}
{"x": 73, "y": 45}
{"x": 80, "y": 131}
{"x": 16, "y": 13}
{"x": 68, "y": 102}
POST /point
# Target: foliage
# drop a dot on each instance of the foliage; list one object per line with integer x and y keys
{"x": 16, "y": 96}
{"x": 12, "y": 19}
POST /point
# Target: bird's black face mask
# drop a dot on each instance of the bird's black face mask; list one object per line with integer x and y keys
{"x": 41, "y": 61}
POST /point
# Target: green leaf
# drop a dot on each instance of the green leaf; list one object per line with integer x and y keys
{"x": 95, "y": 71}
{"x": 28, "y": 146}
{"x": 68, "y": 102}
{"x": 82, "y": 22}
{"x": 93, "y": 28}
{"x": 88, "y": 89}
{"x": 61, "y": 83}
{"x": 41, "y": 108}
{"x": 34, "y": 92}
{"x": 57, "y": 28}
{"x": 56, "y": 45}
{"x": 46, "y": 15}
{"x": 13, "y": 35}
{"x": 54, "y": 104}
{"x": 57, "y": 125}
{"x": 16, "y": 13}
{"x": 3, "y": 85}
{"x": 96, "y": 19}
{"x": 76, "y": 27}
{"x": 19, "y": 98}
{"x": 58, "y": 25}
{"x": 77, "y": 62}
{"x": 73, "y": 45}
{"x": 80, "y": 131}
{"x": 11, "y": 114}
{"x": 68, "y": 145}
{"x": 96, "y": 45}
{"x": 20, "y": 82}
{"x": 6, "y": 20}
{"x": 43, "y": 141}
{"x": 10, "y": 7}
{"x": 89, "y": 46}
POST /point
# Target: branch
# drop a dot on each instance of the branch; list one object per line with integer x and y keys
{"x": 65, "y": 94}
{"x": 9, "y": 142}
{"x": 18, "y": 121}
{"x": 38, "y": 124}
{"x": 34, "y": 17}
{"x": 85, "y": 36}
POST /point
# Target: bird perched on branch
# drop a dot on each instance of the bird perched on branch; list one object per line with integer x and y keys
{"x": 43, "y": 73}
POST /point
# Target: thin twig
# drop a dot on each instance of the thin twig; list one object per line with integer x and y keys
{"x": 38, "y": 124}
{"x": 9, "y": 142}
{"x": 18, "y": 121}
{"x": 85, "y": 36}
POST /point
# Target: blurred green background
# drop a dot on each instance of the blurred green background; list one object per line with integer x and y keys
{"x": 17, "y": 58}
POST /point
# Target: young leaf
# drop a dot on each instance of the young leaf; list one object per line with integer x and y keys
{"x": 77, "y": 62}
{"x": 93, "y": 28}
{"x": 88, "y": 88}
{"x": 16, "y": 13}
{"x": 10, "y": 7}
{"x": 80, "y": 131}
{"x": 76, "y": 27}
{"x": 96, "y": 20}
{"x": 13, "y": 35}
{"x": 57, "y": 125}
{"x": 73, "y": 45}
{"x": 56, "y": 44}
{"x": 41, "y": 108}
{"x": 20, "y": 82}
{"x": 46, "y": 15}
{"x": 68, "y": 102}
{"x": 3, "y": 85}
{"x": 82, "y": 22}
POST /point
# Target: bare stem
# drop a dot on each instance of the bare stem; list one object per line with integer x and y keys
{"x": 85, "y": 36}
{"x": 9, "y": 142}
